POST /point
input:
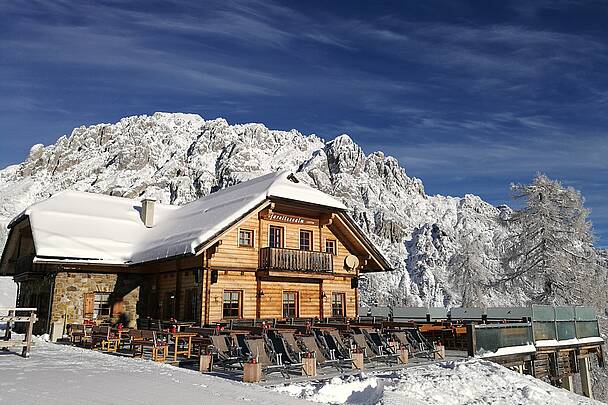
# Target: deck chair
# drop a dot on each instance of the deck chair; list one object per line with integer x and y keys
{"x": 241, "y": 345}
{"x": 257, "y": 348}
{"x": 403, "y": 339}
{"x": 368, "y": 352}
{"x": 380, "y": 346}
{"x": 310, "y": 343}
{"x": 292, "y": 345}
{"x": 334, "y": 342}
{"x": 280, "y": 346}
{"x": 419, "y": 344}
{"x": 224, "y": 354}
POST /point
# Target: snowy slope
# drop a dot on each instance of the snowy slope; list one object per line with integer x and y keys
{"x": 8, "y": 292}
{"x": 180, "y": 157}
{"x": 464, "y": 382}
{"x": 66, "y": 375}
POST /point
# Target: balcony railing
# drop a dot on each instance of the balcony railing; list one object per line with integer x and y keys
{"x": 295, "y": 260}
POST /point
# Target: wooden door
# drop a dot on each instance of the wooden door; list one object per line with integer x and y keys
{"x": 275, "y": 237}
{"x": 89, "y": 301}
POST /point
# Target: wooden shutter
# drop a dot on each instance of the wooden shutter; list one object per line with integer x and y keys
{"x": 89, "y": 300}
{"x": 117, "y": 308}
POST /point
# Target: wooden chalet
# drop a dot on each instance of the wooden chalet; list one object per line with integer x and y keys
{"x": 271, "y": 247}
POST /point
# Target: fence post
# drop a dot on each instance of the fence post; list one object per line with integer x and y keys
{"x": 471, "y": 340}
{"x": 7, "y": 334}
{"x": 28, "y": 335}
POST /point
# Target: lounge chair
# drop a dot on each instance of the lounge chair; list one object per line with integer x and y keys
{"x": 310, "y": 343}
{"x": 334, "y": 342}
{"x": 258, "y": 350}
{"x": 418, "y": 344}
{"x": 292, "y": 345}
{"x": 224, "y": 354}
{"x": 281, "y": 348}
{"x": 369, "y": 353}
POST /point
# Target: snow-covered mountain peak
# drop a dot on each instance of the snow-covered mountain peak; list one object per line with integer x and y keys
{"x": 177, "y": 158}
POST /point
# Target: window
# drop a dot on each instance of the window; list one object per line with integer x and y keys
{"x": 290, "y": 304}
{"x": 246, "y": 238}
{"x": 232, "y": 304}
{"x": 330, "y": 246}
{"x": 101, "y": 304}
{"x": 305, "y": 240}
{"x": 190, "y": 301}
{"x": 276, "y": 237}
{"x": 168, "y": 309}
{"x": 337, "y": 304}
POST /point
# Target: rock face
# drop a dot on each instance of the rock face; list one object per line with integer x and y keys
{"x": 179, "y": 157}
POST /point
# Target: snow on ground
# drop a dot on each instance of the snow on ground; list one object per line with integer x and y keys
{"x": 465, "y": 382}
{"x": 68, "y": 375}
{"x": 8, "y": 292}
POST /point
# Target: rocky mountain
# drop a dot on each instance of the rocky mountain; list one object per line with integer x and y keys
{"x": 179, "y": 157}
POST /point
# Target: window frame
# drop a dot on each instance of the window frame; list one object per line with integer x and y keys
{"x": 190, "y": 301}
{"x": 310, "y": 238}
{"x": 342, "y": 296}
{"x": 296, "y": 304}
{"x": 251, "y": 237}
{"x": 169, "y": 304}
{"x": 100, "y": 310}
{"x": 335, "y": 249}
{"x": 270, "y": 233}
{"x": 239, "y": 302}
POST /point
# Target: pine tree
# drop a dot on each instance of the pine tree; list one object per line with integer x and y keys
{"x": 467, "y": 271}
{"x": 552, "y": 247}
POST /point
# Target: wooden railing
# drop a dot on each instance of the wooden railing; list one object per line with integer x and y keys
{"x": 295, "y": 260}
{"x": 16, "y": 315}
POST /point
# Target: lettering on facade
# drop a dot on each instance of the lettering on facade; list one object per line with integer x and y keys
{"x": 290, "y": 219}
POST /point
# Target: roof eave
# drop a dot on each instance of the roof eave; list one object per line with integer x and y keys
{"x": 382, "y": 261}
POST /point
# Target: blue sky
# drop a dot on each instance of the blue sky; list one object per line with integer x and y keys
{"x": 469, "y": 96}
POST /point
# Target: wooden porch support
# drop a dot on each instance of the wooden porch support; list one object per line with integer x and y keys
{"x": 567, "y": 383}
{"x": 583, "y": 365}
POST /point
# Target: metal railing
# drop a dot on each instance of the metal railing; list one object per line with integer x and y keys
{"x": 295, "y": 260}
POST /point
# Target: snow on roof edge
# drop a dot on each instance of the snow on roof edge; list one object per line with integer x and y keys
{"x": 63, "y": 232}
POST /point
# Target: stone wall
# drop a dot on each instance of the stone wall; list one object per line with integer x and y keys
{"x": 70, "y": 289}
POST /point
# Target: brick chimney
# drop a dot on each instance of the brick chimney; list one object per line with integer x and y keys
{"x": 147, "y": 211}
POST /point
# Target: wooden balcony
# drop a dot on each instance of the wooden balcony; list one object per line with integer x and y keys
{"x": 295, "y": 260}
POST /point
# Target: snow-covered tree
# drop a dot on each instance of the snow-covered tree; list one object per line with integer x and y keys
{"x": 469, "y": 271}
{"x": 551, "y": 249}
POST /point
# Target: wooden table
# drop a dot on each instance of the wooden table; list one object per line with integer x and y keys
{"x": 181, "y": 325}
{"x": 186, "y": 337}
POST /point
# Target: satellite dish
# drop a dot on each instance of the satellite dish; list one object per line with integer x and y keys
{"x": 351, "y": 262}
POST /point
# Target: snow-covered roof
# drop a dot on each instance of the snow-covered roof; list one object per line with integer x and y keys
{"x": 103, "y": 229}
